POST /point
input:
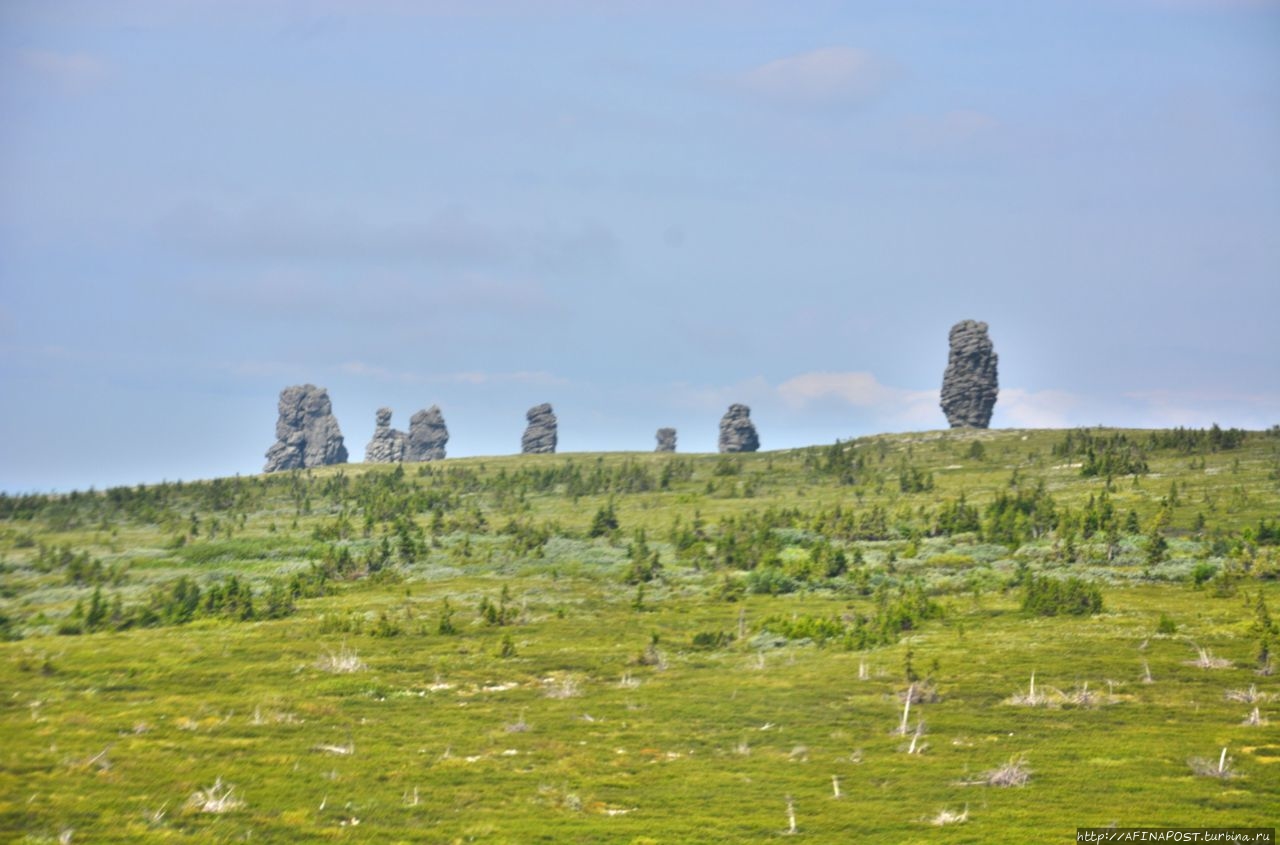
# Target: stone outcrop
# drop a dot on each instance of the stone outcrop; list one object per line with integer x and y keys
{"x": 969, "y": 386}
{"x": 387, "y": 444}
{"x": 540, "y": 435}
{"x": 307, "y": 434}
{"x": 427, "y": 436}
{"x": 737, "y": 434}
{"x": 425, "y": 441}
{"x": 666, "y": 440}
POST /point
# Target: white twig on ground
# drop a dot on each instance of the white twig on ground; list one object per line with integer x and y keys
{"x": 916, "y": 747}
{"x": 946, "y": 817}
{"x": 1206, "y": 660}
{"x": 906, "y": 711}
{"x": 1031, "y": 698}
{"x": 1014, "y": 773}
{"x": 340, "y": 750}
{"x": 1249, "y": 696}
{"x": 1207, "y": 768}
{"x": 342, "y": 662}
{"x": 219, "y": 798}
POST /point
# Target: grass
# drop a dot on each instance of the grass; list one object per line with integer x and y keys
{"x": 610, "y": 719}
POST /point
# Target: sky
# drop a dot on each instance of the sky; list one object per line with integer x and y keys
{"x": 639, "y": 211}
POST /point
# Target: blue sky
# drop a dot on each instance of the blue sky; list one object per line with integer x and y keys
{"x": 637, "y": 211}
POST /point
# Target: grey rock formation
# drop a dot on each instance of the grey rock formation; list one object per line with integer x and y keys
{"x": 540, "y": 435}
{"x": 387, "y": 445}
{"x": 307, "y": 434}
{"x": 666, "y": 440}
{"x": 427, "y": 436}
{"x": 969, "y": 386}
{"x": 737, "y": 434}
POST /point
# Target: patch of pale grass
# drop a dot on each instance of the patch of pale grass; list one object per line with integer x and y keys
{"x": 219, "y": 798}
{"x": 1016, "y": 772}
{"x": 1032, "y": 697}
{"x": 340, "y": 750}
{"x": 1206, "y": 660}
{"x": 344, "y": 661}
{"x": 1082, "y": 697}
{"x": 566, "y": 687}
{"x": 1221, "y": 768}
{"x": 1247, "y": 696}
{"x": 946, "y": 817}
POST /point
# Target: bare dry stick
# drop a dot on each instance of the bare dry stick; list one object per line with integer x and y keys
{"x": 1207, "y": 768}
{"x": 1249, "y": 696}
{"x": 916, "y": 739}
{"x": 1206, "y": 660}
{"x": 835, "y": 786}
{"x": 791, "y": 816}
{"x": 218, "y": 798}
{"x": 947, "y": 817}
{"x": 341, "y": 750}
{"x": 906, "y": 711}
{"x": 1014, "y": 773}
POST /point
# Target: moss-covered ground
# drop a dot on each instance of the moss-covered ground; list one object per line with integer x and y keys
{"x": 490, "y": 650}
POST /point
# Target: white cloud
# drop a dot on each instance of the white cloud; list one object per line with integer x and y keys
{"x": 685, "y": 395}
{"x": 828, "y": 75}
{"x": 912, "y": 408}
{"x": 1200, "y": 408}
{"x": 73, "y": 73}
{"x": 1017, "y": 407}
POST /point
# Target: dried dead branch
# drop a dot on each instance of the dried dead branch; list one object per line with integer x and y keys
{"x": 219, "y": 798}
{"x": 342, "y": 662}
{"x": 1016, "y": 772}
{"x": 1206, "y": 660}
{"x": 946, "y": 817}
{"x": 1221, "y": 768}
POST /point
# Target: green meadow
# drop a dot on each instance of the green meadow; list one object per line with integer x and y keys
{"x": 963, "y": 636}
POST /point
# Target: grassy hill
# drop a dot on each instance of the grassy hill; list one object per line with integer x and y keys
{"x": 655, "y": 648}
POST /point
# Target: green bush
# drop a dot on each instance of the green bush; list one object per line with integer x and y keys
{"x": 770, "y": 581}
{"x": 1202, "y": 573}
{"x": 1061, "y": 597}
{"x": 712, "y": 639}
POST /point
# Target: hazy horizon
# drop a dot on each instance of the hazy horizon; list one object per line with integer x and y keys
{"x": 638, "y": 213}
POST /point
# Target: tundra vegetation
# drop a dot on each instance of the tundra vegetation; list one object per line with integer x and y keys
{"x": 971, "y": 636}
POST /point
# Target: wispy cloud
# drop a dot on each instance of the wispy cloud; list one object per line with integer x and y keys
{"x": 959, "y": 128}
{"x": 449, "y": 237}
{"x": 822, "y": 77}
{"x": 539, "y": 378}
{"x": 71, "y": 73}
{"x": 1200, "y": 407}
{"x": 1020, "y": 408}
{"x": 381, "y": 297}
{"x": 862, "y": 390}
